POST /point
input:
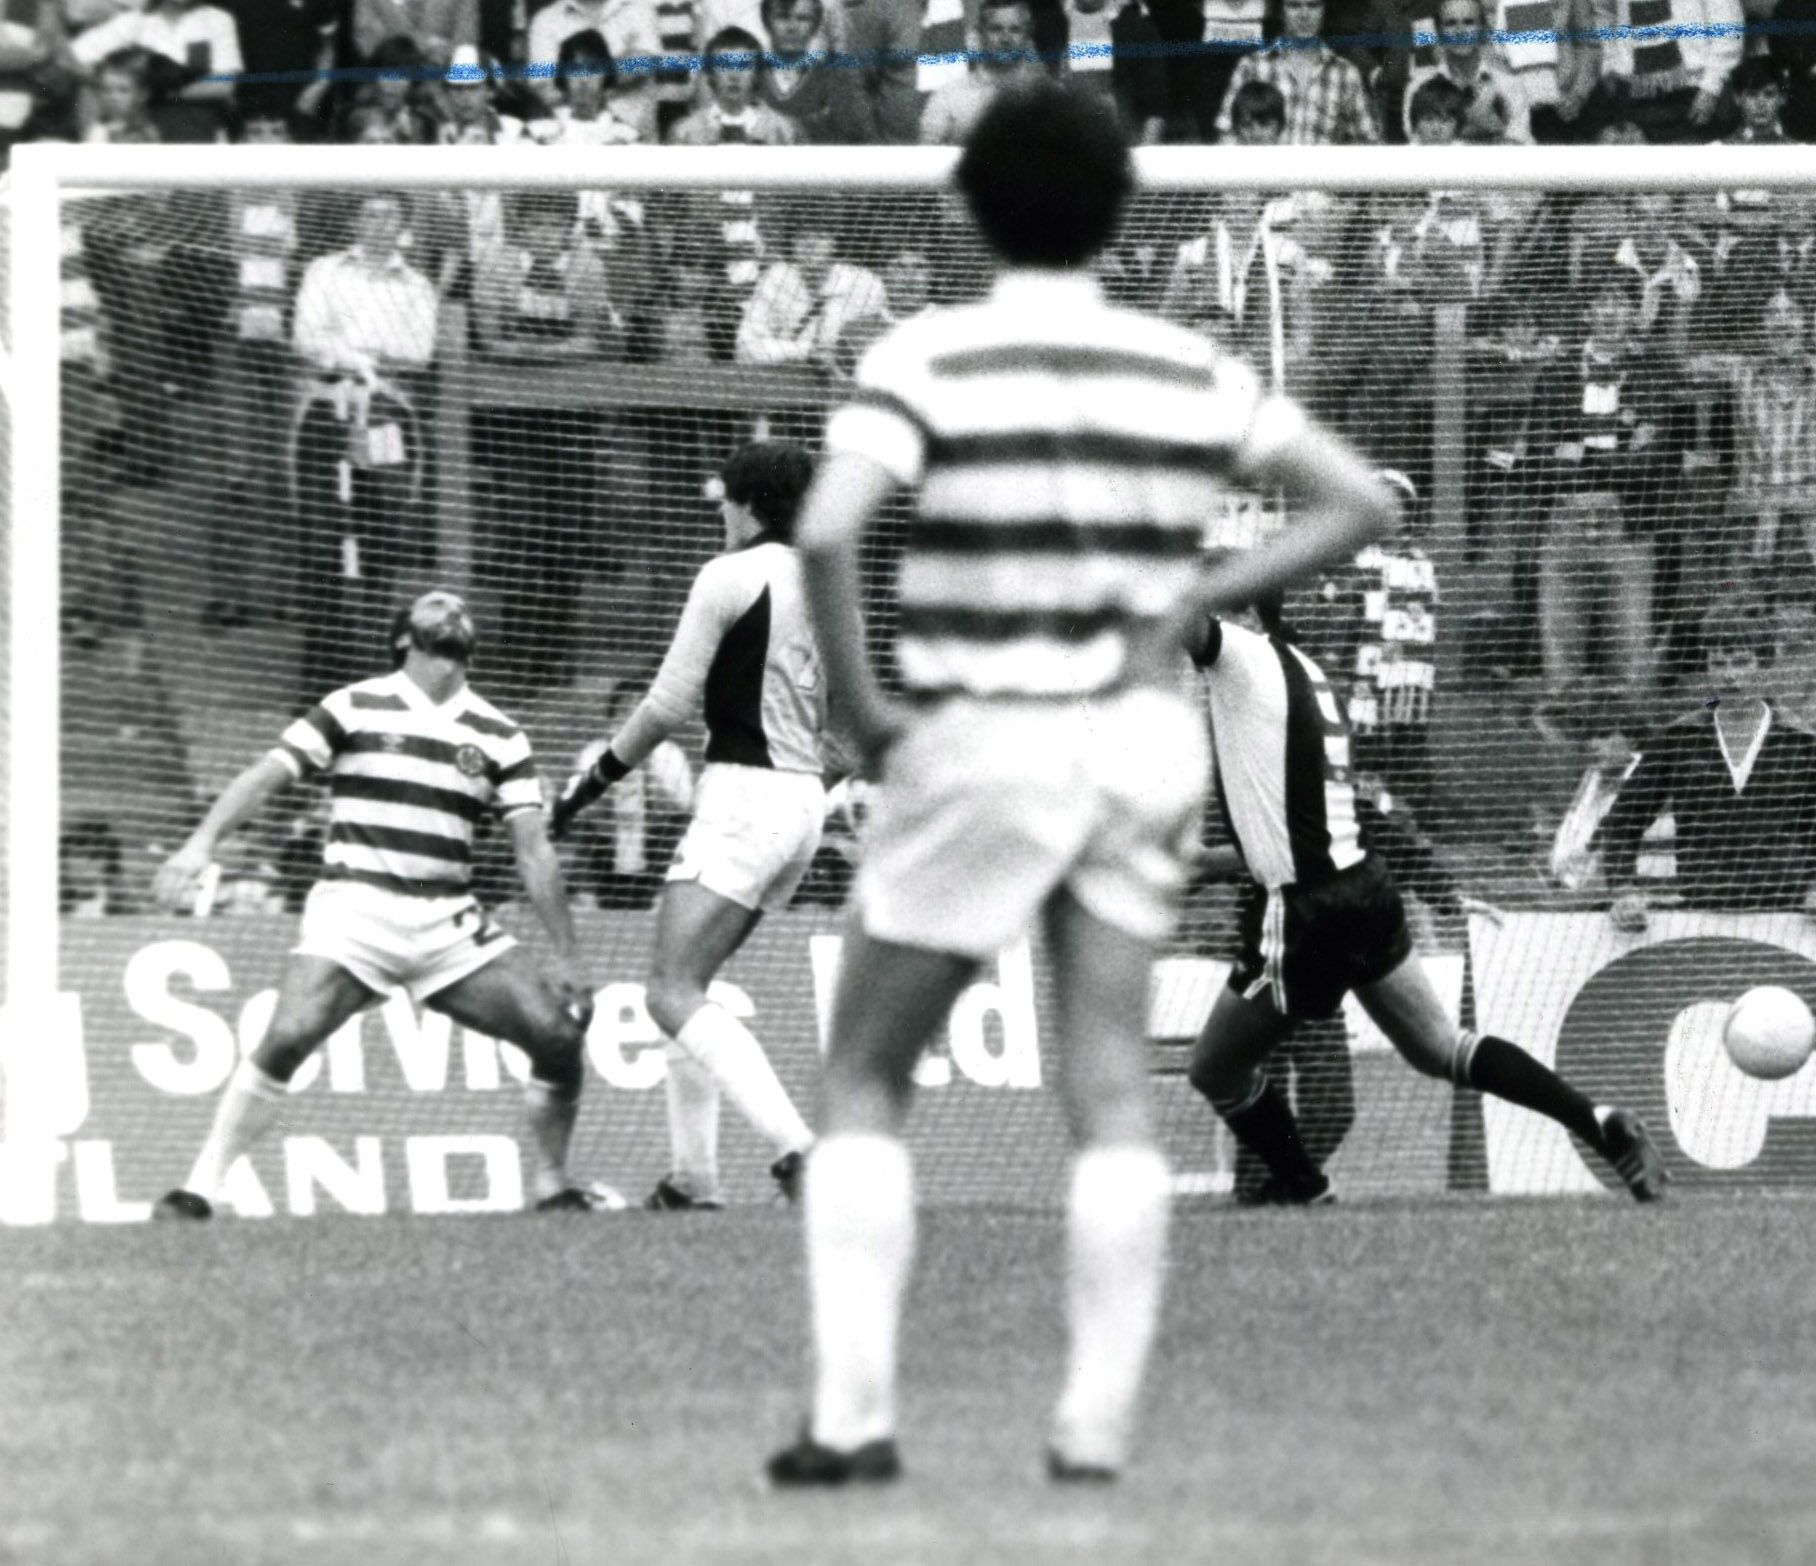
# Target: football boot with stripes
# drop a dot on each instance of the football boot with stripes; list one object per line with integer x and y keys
{"x": 1629, "y": 1147}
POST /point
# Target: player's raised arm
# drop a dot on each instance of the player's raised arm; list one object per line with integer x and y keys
{"x": 239, "y": 802}
{"x": 1340, "y": 506}
{"x": 847, "y": 494}
{"x": 674, "y": 695}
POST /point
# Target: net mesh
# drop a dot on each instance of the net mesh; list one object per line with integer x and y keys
{"x": 282, "y": 410}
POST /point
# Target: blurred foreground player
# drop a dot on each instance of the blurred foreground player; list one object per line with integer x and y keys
{"x": 1331, "y": 921}
{"x": 744, "y": 656}
{"x": 413, "y": 761}
{"x": 1051, "y": 768}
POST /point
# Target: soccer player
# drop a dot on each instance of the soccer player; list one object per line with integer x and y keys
{"x": 414, "y": 760}
{"x": 744, "y": 655}
{"x": 1049, "y": 766}
{"x": 1331, "y": 921}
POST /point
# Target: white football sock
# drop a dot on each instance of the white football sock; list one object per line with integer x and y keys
{"x": 1116, "y": 1257}
{"x": 859, "y": 1201}
{"x": 247, "y": 1107}
{"x": 693, "y": 1123}
{"x": 551, "y": 1112}
{"x": 725, "y": 1047}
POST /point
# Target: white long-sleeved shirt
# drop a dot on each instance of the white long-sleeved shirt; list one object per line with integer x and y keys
{"x": 745, "y": 659}
{"x": 787, "y": 322}
{"x": 354, "y": 315}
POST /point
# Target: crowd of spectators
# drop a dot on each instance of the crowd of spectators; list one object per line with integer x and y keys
{"x": 600, "y": 72}
{"x": 1637, "y": 369}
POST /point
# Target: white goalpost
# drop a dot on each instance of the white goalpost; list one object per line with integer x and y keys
{"x": 1434, "y": 303}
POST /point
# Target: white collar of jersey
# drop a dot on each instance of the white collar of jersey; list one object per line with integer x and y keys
{"x": 1029, "y": 287}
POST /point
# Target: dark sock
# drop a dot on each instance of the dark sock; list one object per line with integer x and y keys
{"x": 1508, "y": 1072}
{"x": 1267, "y": 1128}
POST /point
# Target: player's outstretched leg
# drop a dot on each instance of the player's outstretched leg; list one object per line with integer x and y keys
{"x": 509, "y": 999}
{"x": 1227, "y": 1068}
{"x": 692, "y": 1183}
{"x": 315, "y": 997}
{"x": 1120, "y": 1196}
{"x": 1407, "y": 1009}
{"x": 697, "y": 932}
{"x": 858, "y": 1199}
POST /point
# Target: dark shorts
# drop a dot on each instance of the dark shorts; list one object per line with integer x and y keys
{"x": 1309, "y": 946}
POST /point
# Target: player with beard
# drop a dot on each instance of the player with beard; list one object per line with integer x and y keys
{"x": 413, "y": 761}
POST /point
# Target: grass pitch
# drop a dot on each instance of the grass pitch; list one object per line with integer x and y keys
{"x": 1440, "y": 1383}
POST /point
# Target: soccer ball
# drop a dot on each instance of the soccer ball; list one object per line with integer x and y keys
{"x": 1769, "y": 1033}
{"x": 605, "y": 1198}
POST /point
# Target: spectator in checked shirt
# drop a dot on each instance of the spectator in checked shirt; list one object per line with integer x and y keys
{"x": 1327, "y": 102}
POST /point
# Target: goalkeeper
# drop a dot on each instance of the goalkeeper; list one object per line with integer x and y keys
{"x": 744, "y": 657}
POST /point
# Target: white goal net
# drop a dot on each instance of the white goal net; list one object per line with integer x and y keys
{"x": 257, "y": 397}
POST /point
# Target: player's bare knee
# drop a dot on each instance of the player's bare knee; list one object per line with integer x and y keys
{"x": 555, "y": 1040}
{"x": 671, "y": 1001}
{"x": 559, "y": 1055}
{"x": 282, "y": 1051}
{"x": 1219, "y": 1080}
{"x": 1444, "y": 1055}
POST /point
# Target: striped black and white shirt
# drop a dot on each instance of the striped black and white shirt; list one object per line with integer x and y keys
{"x": 409, "y": 780}
{"x": 1068, "y": 454}
{"x": 1281, "y": 753}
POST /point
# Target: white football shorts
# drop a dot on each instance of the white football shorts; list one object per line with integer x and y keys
{"x": 986, "y": 808}
{"x": 754, "y": 833}
{"x": 390, "y": 942}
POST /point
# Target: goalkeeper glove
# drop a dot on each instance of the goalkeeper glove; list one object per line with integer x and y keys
{"x": 582, "y": 789}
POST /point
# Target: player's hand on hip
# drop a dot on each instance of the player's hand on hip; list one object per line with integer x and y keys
{"x": 1628, "y": 912}
{"x": 175, "y": 885}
